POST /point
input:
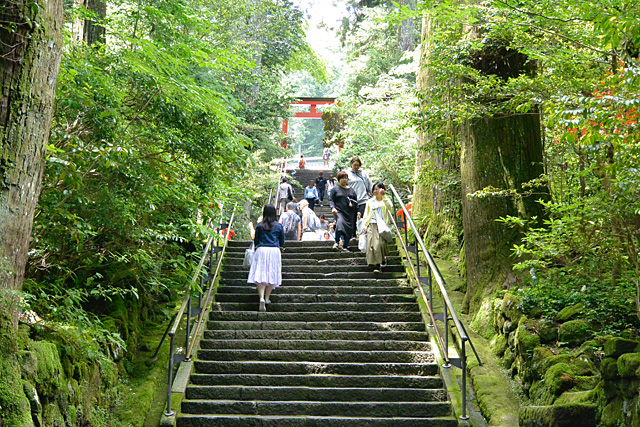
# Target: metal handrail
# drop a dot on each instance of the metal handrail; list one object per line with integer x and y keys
{"x": 191, "y": 335}
{"x": 449, "y": 312}
{"x": 283, "y": 170}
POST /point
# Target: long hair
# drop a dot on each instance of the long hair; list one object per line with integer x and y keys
{"x": 268, "y": 217}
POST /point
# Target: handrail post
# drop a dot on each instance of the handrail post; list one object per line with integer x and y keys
{"x": 446, "y": 337}
{"x": 463, "y": 352}
{"x": 187, "y": 332}
{"x": 430, "y": 292}
{"x": 169, "y": 412}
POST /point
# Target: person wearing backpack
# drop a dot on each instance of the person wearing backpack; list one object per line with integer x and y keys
{"x": 285, "y": 194}
{"x": 291, "y": 223}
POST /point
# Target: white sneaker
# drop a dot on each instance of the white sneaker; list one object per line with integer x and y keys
{"x": 262, "y": 306}
{"x": 267, "y": 301}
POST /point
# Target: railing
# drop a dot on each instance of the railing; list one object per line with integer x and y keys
{"x": 448, "y": 314}
{"x": 201, "y": 310}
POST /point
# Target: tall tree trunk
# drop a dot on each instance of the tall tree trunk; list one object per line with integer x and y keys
{"x": 407, "y": 32}
{"x": 503, "y": 152}
{"x": 437, "y": 175}
{"x": 93, "y": 32}
{"x": 29, "y": 60}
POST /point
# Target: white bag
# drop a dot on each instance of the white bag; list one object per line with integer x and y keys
{"x": 248, "y": 257}
{"x": 362, "y": 243}
{"x": 383, "y": 229}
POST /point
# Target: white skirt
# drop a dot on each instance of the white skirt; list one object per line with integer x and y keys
{"x": 266, "y": 267}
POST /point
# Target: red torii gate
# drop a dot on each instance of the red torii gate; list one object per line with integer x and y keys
{"x": 312, "y": 114}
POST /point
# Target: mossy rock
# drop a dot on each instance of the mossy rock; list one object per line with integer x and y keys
{"x": 539, "y": 361}
{"x": 16, "y": 411}
{"x": 525, "y": 339}
{"x": 582, "y": 365}
{"x": 628, "y": 365}
{"x": 573, "y": 397}
{"x": 585, "y": 382}
{"x": 499, "y": 321}
{"x": 570, "y": 415}
{"x": 559, "y": 378}
{"x": 569, "y": 313}
{"x": 574, "y": 332}
{"x": 483, "y": 321}
{"x": 498, "y": 345}
{"x": 510, "y": 308}
{"x": 590, "y": 348}
{"x": 615, "y": 346}
{"x": 509, "y": 327}
{"x": 509, "y": 357}
{"x": 547, "y": 331}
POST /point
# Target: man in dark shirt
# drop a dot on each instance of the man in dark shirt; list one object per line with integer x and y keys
{"x": 321, "y": 185}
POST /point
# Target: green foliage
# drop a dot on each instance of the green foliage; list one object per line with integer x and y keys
{"x": 152, "y": 131}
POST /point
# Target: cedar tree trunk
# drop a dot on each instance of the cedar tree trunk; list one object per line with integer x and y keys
{"x": 29, "y": 62}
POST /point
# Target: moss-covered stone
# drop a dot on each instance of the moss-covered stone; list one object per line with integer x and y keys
{"x": 628, "y": 365}
{"x": 16, "y": 411}
{"x": 547, "y": 331}
{"x": 569, "y": 313}
{"x": 573, "y": 397}
{"x": 590, "y": 348}
{"x": 509, "y": 357}
{"x": 483, "y": 321}
{"x": 614, "y": 346}
{"x": 613, "y": 413}
{"x": 574, "y": 332}
{"x": 585, "y": 382}
{"x": 582, "y": 365}
{"x": 525, "y": 339}
{"x": 498, "y": 345}
{"x": 510, "y": 308}
{"x": 559, "y": 378}
{"x": 571, "y": 415}
{"x": 539, "y": 362}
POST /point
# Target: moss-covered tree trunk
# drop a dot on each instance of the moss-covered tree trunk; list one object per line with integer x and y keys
{"x": 437, "y": 173}
{"x": 29, "y": 62}
{"x": 503, "y": 152}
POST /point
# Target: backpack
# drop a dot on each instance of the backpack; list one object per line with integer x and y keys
{"x": 289, "y": 194}
{"x": 290, "y": 226}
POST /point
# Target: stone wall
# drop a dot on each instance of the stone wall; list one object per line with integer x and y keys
{"x": 571, "y": 375}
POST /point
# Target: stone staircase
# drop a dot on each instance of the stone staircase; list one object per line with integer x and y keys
{"x": 338, "y": 346}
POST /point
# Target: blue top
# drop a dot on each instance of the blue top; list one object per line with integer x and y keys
{"x": 310, "y": 193}
{"x": 273, "y": 238}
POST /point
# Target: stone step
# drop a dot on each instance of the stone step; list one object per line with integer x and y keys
{"x": 289, "y": 249}
{"x": 258, "y": 334}
{"x": 340, "y": 381}
{"x": 364, "y": 283}
{"x": 318, "y": 306}
{"x": 319, "y": 290}
{"x": 325, "y": 344}
{"x": 328, "y": 326}
{"x": 322, "y": 316}
{"x": 187, "y": 420}
{"x": 282, "y": 298}
{"x": 317, "y": 394}
{"x": 316, "y": 408}
{"x": 266, "y": 367}
{"x": 289, "y": 273}
{"x": 344, "y": 259}
{"x": 329, "y": 255}
{"x": 335, "y": 356}
{"x": 320, "y": 269}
